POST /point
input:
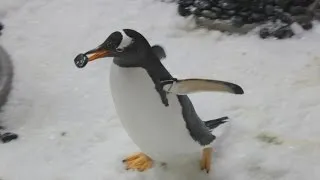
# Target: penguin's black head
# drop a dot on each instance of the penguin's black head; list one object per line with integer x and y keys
{"x": 128, "y": 47}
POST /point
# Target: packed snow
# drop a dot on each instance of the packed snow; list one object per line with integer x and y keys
{"x": 65, "y": 116}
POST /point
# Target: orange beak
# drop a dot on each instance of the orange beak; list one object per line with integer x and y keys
{"x": 96, "y": 54}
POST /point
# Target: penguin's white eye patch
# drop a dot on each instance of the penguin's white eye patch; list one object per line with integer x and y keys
{"x": 125, "y": 42}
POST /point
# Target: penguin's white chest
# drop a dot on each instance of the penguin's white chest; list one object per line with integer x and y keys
{"x": 159, "y": 131}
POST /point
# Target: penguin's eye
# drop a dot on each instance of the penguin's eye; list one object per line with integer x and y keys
{"x": 120, "y": 49}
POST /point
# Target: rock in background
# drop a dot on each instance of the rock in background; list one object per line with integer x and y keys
{"x": 1, "y": 27}
{"x": 276, "y": 18}
{"x": 8, "y": 137}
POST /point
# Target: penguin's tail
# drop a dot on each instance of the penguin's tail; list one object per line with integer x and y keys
{"x": 212, "y": 124}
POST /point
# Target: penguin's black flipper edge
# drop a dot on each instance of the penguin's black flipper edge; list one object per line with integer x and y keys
{"x": 235, "y": 88}
{"x": 159, "y": 51}
{"x": 188, "y": 86}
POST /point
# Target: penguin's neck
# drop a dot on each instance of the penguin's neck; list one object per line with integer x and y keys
{"x": 155, "y": 68}
{"x": 125, "y": 64}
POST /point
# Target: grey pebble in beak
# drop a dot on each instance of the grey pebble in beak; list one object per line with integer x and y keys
{"x": 81, "y": 60}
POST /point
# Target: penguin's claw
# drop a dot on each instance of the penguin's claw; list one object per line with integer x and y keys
{"x": 138, "y": 161}
{"x": 205, "y": 163}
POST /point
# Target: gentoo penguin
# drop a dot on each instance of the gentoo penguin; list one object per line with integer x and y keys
{"x": 152, "y": 105}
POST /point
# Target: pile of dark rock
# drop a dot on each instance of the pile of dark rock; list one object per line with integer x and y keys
{"x": 275, "y": 17}
{"x": 7, "y": 136}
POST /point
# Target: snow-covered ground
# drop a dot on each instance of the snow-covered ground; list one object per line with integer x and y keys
{"x": 67, "y": 123}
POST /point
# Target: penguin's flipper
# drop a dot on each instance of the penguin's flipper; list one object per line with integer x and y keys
{"x": 159, "y": 51}
{"x": 188, "y": 86}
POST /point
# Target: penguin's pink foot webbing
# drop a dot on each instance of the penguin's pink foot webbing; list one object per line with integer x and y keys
{"x": 138, "y": 161}
{"x": 205, "y": 163}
